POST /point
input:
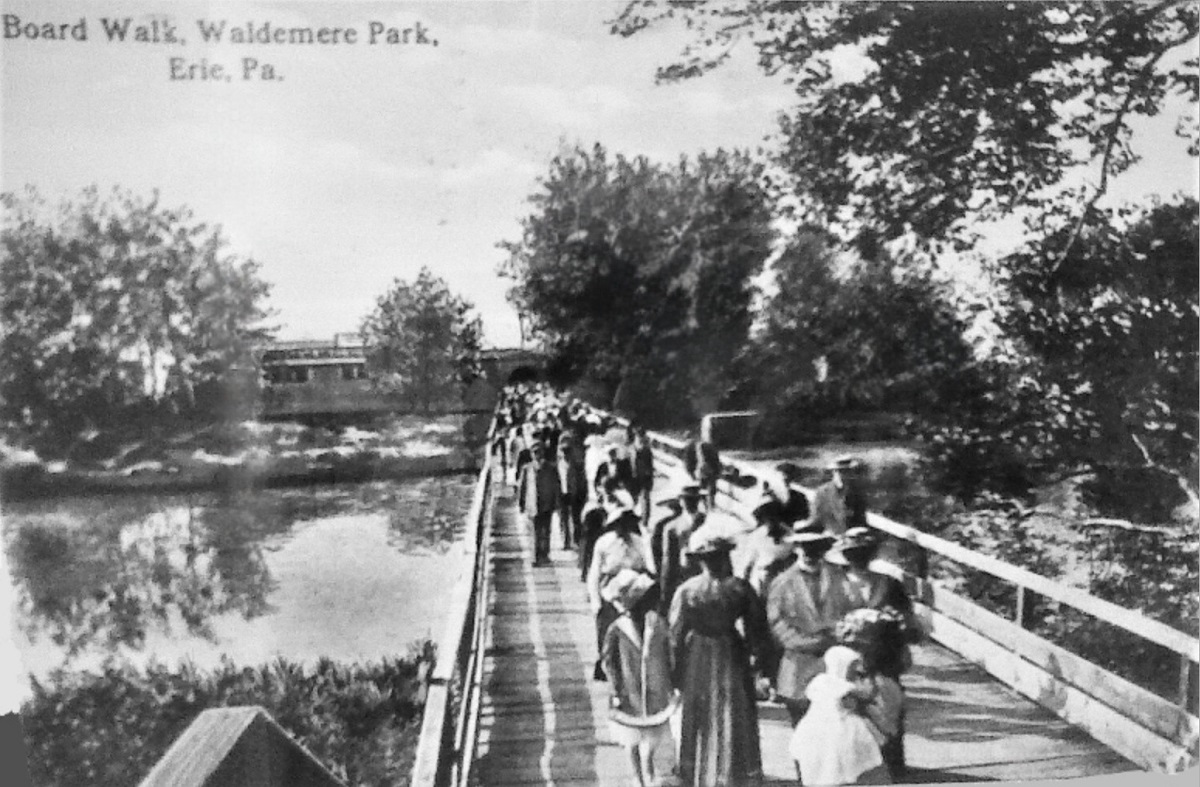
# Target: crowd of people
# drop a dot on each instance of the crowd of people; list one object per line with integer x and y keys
{"x": 695, "y": 626}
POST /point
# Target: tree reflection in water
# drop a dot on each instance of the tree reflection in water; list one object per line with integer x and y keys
{"x": 106, "y": 572}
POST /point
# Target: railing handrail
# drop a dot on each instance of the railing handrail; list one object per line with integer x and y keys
{"x": 442, "y": 732}
{"x": 1131, "y": 620}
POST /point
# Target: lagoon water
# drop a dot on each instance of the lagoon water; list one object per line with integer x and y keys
{"x": 351, "y": 572}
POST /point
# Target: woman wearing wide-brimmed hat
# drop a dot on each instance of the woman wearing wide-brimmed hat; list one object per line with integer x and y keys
{"x": 636, "y": 658}
{"x": 880, "y": 624}
{"x": 711, "y": 666}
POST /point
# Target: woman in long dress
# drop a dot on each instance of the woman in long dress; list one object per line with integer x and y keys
{"x": 711, "y": 666}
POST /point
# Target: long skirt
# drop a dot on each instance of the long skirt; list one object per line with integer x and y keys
{"x": 719, "y": 743}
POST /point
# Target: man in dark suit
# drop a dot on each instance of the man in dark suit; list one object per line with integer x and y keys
{"x": 841, "y": 502}
{"x": 538, "y": 497}
{"x": 703, "y": 463}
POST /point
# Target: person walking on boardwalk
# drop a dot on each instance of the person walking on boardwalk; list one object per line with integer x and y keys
{"x": 836, "y": 742}
{"x": 767, "y": 548}
{"x": 841, "y": 502}
{"x": 768, "y": 553}
{"x": 883, "y": 639}
{"x": 616, "y": 466}
{"x": 621, "y": 547}
{"x": 595, "y": 518}
{"x": 703, "y": 464}
{"x": 643, "y": 471}
{"x": 675, "y": 566}
{"x": 803, "y": 606}
{"x": 636, "y": 658}
{"x": 537, "y": 496}
{"x": 687, "y": 505}
{"x": 572, "y": 488}
{"x": 711, "y": 667}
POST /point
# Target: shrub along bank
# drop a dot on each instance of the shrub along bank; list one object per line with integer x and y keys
{"x": 109, "y": 728}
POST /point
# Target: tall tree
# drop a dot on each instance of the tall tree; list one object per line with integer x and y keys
{"x": 639, "y": 274}
{"x": 115, "y": 302}
{"x": 423, "y": 341}
{"x": 844, "y": 333}
{"x": 922, "y": 119}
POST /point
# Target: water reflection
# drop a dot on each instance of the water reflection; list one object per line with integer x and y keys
{"x": 183, "y": 575}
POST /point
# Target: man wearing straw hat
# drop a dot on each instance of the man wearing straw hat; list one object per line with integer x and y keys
{"x": 803, "y": 607}
{"x": 841, "y": 502}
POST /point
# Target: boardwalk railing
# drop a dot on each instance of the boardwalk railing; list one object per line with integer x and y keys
{"x": 446, "y": 746}
{"x": 1158, "y": 733}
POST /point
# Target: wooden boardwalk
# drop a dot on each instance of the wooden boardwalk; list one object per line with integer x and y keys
{"x": 543, "y": 720}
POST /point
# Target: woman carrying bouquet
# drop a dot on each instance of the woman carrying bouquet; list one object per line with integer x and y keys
{"x": 882, "y": 630}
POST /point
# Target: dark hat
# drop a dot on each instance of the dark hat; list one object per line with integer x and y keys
{"x": 619, "y": 513}
{"x": 768, "y": 504}
{"x": 858, "y": 537}
{"x": 812, "y": 537}
{"x": 706, "y": 541}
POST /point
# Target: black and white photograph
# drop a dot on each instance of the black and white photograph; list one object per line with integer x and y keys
{"x": 656, "y": 393}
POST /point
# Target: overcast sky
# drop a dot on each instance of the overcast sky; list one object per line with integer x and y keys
{"x": 366, "y": 162}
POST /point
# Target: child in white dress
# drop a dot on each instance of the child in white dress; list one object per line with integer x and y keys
{"x": 836, "y": 743}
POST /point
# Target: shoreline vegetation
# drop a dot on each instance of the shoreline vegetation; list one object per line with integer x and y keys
{"x": 108, "y": 728}
{"x": 249, "y": 454}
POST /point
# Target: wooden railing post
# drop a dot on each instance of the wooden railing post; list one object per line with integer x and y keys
{"x": 1185, "y": 674}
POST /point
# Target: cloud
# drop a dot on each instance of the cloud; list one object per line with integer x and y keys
{"x": 569, "y": 106}
{"x": 493, "y": 163}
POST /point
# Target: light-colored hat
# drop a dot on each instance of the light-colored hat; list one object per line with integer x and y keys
{"x": 627, "y": 588}
{"x": 838, "y": 661}
{"x": 622, "y": 498}
{"x": 707, "y": 541}
{"x": 844, "y": 464}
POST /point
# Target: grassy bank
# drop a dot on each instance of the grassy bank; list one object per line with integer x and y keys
{"x": 109, "y": 728}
